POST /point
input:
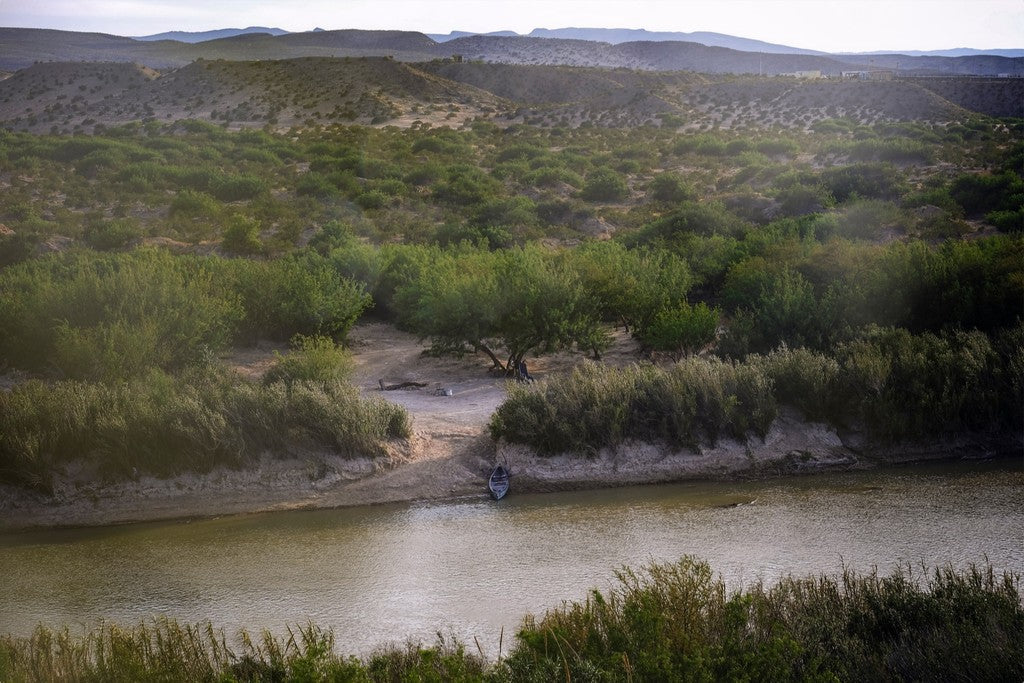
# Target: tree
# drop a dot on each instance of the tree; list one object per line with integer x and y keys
{"x": 682, "y": 330}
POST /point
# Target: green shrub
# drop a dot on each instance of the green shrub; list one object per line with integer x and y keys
{"x": 312, "y": 359}
{"x": 669, "y": 187}
{"x": 112, "y": 316}
{"x": 604, "y": 185}
{"x": 692, "y": 402}
{"x": 676, "y": 622}
{"x": 164, "y": 425}
{"x": 105, "y": 235}
{"x": 242, "y": 236}
{"x": 235, "y": 188}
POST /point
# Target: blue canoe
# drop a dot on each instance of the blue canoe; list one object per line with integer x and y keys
{"x": 498, "y": 483}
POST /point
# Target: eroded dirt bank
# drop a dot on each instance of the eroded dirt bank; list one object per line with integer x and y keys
{"x": 450, "y": 453}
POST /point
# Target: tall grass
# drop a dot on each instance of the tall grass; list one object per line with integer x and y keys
{"x": 166, "y": 425}
{"x": 694, "y": 401}
{"x": 896, "y": 385}
{"x": 662, "y": 622}
{"x": 676, "y": 622}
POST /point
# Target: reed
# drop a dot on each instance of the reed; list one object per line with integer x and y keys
{"x": 165, "y": 425}
{"x": 662, "y": 622}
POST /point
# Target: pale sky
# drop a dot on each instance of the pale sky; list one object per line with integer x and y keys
{"x": 828, "y": 25}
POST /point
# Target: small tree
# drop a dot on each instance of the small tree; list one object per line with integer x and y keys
{"x": 682, "y": 330}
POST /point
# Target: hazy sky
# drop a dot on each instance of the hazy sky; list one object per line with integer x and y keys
{"x": 831, "y": 25}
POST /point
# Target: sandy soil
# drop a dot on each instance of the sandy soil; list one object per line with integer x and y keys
{"x": 448, "y": 456}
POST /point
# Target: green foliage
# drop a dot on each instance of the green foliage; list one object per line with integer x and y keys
{"x": 669, "y": 187}
{"x": 114, "y": 316}
{"x": 689, "y": 218}
{"x": 984, "y": 193}
{"x": 910, "y": 386}
{"x": 692, "y": 402}
{"x": 682, "y": 330}
{"x": 106, "y": 235}
{"x": 94, "y": 316}
{"x": 166, "y": 425}
{"x": 676, "y": 622}
{"x": 242, "y": 236}
{"x": 312, "y": 359}
{"x": 522, "y": 300}
{"x": 663, "y": 622}
{"x": 604, "y": 185}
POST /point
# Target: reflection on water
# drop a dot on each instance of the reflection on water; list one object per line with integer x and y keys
{"x": 392, "y": 572}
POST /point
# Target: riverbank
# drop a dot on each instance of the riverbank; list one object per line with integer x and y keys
{"x": 450, "y": 454}
{"x": 454, "y": 465}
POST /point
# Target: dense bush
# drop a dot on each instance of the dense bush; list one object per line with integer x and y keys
{"x": 676, "y": 622}
{"x": 604, "y": 185}
{"x": 692, "y": 402}
{"x": 96, "y": 316}
{"x": 92, "y": 316}
{"x": 165, "y": 425}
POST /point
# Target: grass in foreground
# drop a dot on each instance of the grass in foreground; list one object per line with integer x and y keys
{"x": 665, "y": 622}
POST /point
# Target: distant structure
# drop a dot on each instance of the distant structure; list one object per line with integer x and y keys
{"x": 873, "y": 75}
{"x": 816, "y": 73}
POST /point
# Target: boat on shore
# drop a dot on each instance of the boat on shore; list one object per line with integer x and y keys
{"x": 498, "y": 483}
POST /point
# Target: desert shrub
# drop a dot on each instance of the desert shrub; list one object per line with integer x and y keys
{"x": 630, "y": 287}
{"x": 777, "y": 147}
{"x": 689, "y": 218}
{"x": 669, "y": 187}
{"x": 804, "y": 379}
{"x": 465, "y": 185}
{"x": 799, "y": 200}
{"x": 910, "y": 386}
{"x": 868, "y": 219}
{"x": 867, "y": 181}
{"x": 983, "y": 193}
{"x": 242, "y": 236}
{"x": 105, "y": 235}
{"x": 314, "y": 184}
{"x": 604, "y": 185}
{"x": 192, "y": 204}
{"x": 235, "y": 188}
{"x": 302, "y": 293}
{"x": 1007, "y": 220}
{"x": 374, "y": 199}
{"x": 692, "y": 402}
{"x": 512, "y": 211}
{"x": 312, "y": 359}
{"x": 681, "y": 330}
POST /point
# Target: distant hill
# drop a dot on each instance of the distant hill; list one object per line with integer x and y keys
{"x": 626, "y": 35}
{"x": 79, "y": 97}
{"x": 956, "y": 52}
{"x": 445, "y": 37}
{"x": 20, "y": 48}
{"x": 201, "y": 36}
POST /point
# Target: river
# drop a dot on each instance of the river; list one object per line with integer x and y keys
{"x": 388, "y": 573}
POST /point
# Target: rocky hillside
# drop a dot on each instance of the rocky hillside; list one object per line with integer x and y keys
{"x": 280, "y": 93}
{"x": 78, "y": 97}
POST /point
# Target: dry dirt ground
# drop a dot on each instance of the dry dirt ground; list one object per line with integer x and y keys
{"x": 448, "y": 456}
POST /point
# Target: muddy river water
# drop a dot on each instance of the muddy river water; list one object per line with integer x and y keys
{"x": 474, "y": 567}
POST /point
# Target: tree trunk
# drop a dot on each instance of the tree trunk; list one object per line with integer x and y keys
{"x": 494, "y": 359}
